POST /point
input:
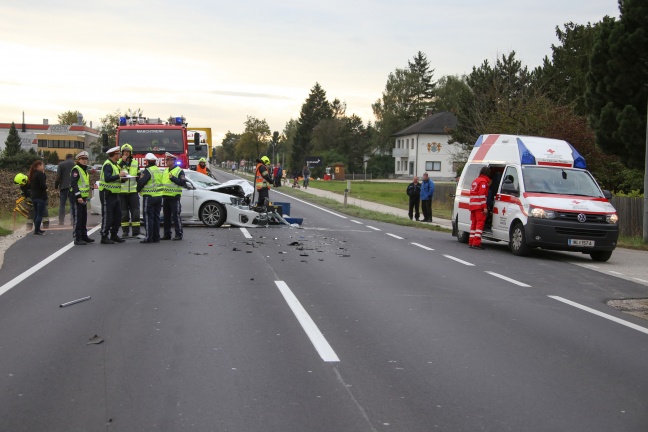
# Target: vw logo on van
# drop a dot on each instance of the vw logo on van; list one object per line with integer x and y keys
{"x": 581, "y": 217}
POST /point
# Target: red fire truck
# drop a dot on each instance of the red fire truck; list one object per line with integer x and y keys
{"x": 155, "y": 136}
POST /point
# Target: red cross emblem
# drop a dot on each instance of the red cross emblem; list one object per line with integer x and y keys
{"x": 504, "y": 211}
{"x": 551, "y": 151}
{"x": 576, "y": 202}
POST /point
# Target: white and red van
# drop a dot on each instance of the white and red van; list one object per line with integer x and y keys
{"x": 541, "y": 196}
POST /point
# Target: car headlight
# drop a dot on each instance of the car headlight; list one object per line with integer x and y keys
{"x": 612, "y": 219}
{"x": 541, "y": 213}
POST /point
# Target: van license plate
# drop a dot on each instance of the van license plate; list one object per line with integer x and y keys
{"x": 576, "y": 242}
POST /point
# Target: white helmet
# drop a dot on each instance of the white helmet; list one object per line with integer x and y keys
{"x": 113, "y": 150}
{"x": 150, "y": 156}
{"x": 82, "y": 154}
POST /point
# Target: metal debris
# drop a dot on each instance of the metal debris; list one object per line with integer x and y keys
{"x": 96, "y": 339}
{"x": 74, "y": 301}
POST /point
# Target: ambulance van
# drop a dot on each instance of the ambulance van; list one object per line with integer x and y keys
{"x": 541, "y": 196}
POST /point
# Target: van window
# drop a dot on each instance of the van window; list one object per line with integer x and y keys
{"x": 561, "y": 181}
{"x": 471, "y": 172}
{"x": 511, "y": 175}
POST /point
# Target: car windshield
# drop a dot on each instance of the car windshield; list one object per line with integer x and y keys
{"x": 201, "y": 180}
{"x": 193, "y": 154}
{"x": 152, "y": 140}
{"x": 562, "y": 181}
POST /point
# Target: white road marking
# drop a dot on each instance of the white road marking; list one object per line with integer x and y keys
{"x": 395, "y": 236}
{"x": 508, "y": 279}
{"x": 24, "y": 275}
{"x": 317, "y": 339}
{"x": 641, "y": 280}
{"x": 246, "y": 233}
{"x": 421, "y": 246}
{"x": 615, "y": 273}
{"x": 373, "y": 228}
{"x": 355, "y": 221}
{"x": 601, "y": 314}
{"x": 459, "y": 260}
{"x": 312, "y": 205}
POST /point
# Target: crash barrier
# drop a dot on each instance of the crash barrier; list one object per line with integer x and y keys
{"x": 630, "y": 211}
{"x": 285, "y": 207}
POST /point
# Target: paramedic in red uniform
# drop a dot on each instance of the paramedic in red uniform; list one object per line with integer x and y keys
{"x": 478, "y": 207}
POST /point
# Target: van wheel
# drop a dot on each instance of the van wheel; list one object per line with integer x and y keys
{"x": 462, "y": 236}
{"x": 601, "y": 256}
{"x": 213, "y": 214}
{"x": 518, "y": 242}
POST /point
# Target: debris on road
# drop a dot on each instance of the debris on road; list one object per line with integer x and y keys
{"x": 96, "y": 339}
{"x": 74, "y": 301}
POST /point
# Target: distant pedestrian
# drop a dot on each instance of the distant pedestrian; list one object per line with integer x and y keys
{"x": 414, "y": 194}
{"x": 38, "y": 185}
{"x": 478, "y": 207}
{"x": 427, "y": 192}
{"x": 306, "y": 174}
{"x": 278, "y": 175}
{"x": 62, "y": 183}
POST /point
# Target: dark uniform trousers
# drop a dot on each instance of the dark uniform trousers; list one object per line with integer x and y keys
{"x": 151, "y": 206}
{"x": 130, "y": 211}
{"x": 414, "y": 205}
{"x": 172, "y": 215}
{"x": 79, "y": 220}
{"x": 264, "y": 194}
{"x": 110, "y": 213}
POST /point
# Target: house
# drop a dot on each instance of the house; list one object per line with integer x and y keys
{"x": 423, "y": 147}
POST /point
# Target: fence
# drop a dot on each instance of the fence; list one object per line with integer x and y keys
{"x": 630, "y": 211}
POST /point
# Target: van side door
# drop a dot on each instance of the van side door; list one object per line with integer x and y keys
{"x": 507, "y": 203}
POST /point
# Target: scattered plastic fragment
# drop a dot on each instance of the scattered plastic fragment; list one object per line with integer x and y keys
{"x": 74, "y": 301}
{"x": 96, "y": 339}
{"x": 236, "y": 250}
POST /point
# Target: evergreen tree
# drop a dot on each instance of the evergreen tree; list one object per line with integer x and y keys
{"x": 315, "y": 109}
{"x": 12, "y": 144}
{"x": 616, "y": 83}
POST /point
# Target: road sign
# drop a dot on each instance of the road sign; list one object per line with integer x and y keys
{"x": 314, "y": 161}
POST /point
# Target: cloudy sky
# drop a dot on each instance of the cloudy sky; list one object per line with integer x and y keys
{"x": 217, "y": 62}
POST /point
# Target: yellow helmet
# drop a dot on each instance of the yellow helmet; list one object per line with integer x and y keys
{"x": 202, "y": 160}
{"x": 21, "y": 179}
{"x": 127, "y": 147}
{"x": 265, "y": 160}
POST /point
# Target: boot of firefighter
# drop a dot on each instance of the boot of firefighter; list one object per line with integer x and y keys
{"x": 125, "y": 231}
{"x": 136, "y": 230}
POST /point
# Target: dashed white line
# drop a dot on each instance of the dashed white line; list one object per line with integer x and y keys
{"x": 508, "y": 279}
{"x": 355, "y": 221}
{"x": 373, "y": 228}
{"x": 641, "y": 280}
{"x": 615, "y": 273}
{"x": 316, "y": 337}
{"x": 246, "y": 233}
{"x": 459, "y": 260}
{"x": 421, "y": 246}
{"x": 312, "y": 205}
{"x": 395, "y": 236}
{"x": 601, "y": 314}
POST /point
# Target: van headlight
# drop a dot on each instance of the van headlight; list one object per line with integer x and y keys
{"x": 612, "y": 219}
{"x": 541, "y": 213}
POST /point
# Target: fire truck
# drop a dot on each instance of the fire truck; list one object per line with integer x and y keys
{"x": 155, "y": 136}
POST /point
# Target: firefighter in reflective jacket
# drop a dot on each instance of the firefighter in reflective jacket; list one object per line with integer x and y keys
{"x": 202, "y": 167}
{"x": 129, "y": 198}
{"x": 80, "y": 193}
{"x": 262, "y": 180}
{"x": 478, "y": 208}
{"x": 173, "y": 180}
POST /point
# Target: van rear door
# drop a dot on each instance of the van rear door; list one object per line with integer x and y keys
{"x": 507, "y": 203}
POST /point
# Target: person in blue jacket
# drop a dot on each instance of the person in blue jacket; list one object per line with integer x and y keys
{"x": 427, "y": 191}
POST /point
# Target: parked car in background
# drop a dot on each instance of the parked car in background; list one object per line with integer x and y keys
{"x": 51, "y": 167}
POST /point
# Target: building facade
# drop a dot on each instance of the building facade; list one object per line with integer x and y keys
{"x": 423, "y": 147}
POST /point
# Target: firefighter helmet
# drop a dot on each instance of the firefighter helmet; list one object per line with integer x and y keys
{"x": 126, "y": 147}
{"x": 265, "y": 160}
{"x": 21, "y": 179}
{"x": 202, "y": 160}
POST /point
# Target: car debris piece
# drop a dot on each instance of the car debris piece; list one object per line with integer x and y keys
{"x": 74, "y": 301}
{"x": 236, "y": 250}
{"x": 96, "y": 339}
{"x": 295, "y": 243}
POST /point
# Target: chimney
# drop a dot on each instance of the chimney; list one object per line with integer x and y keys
{"x": 90, "y": 124}
{"x": 45, "y": 122}
{"x": 80, "y": 119}
{"x": 23, "y": 123}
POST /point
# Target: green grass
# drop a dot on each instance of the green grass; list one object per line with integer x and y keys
{"x": 634, "y": 242}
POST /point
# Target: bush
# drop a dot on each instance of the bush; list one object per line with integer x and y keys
{"x": 20, "y": 161}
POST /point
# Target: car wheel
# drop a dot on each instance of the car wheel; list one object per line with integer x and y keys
{"x": 601, "y": 256}
{"x": 462, "y": 236}
{"x": 518, "y": 242}
{"x": 213, "y": 214}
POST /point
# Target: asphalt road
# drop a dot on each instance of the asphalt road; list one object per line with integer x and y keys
{"x": 343, "y": 325}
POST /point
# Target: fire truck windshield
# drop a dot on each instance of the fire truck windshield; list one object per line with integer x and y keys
{"x": 152, "y": 140}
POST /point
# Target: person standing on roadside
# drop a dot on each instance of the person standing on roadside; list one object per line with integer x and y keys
{"x": 150, "y": 185}
{"x": 109, "y": 190}
{"x": 79, "y": 195}
{"x": 262, "y": 180}
{"x": 414, "y": 194}
{"x": 62, "y": 183}
{"x": 173, "y": 180}
{"x": 129, "y": 198}
{"x": 478, "y": 208}
{"x": 38, "y": 192}
{"x": 427, "y": 192}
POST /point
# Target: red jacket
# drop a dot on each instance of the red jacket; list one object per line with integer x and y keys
{"x": 479, "y": 193}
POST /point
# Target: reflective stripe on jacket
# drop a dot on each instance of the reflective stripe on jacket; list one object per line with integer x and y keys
{"x": 478, "y": 193}
{"x": 168, "y": 187}
{"x": 130, "y": 185}
{"x": 259, "y": 181}
{"x": 114, "y": 186}
{"x": 154, "y": 186}
{"x": 83, "y": 182}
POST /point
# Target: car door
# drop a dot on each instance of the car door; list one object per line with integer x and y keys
{"x": 507, "y": 203}
{"x": 187, "y": 201}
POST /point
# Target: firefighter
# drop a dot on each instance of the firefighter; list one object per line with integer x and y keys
{"x": 202, "y": 167}
{"x": 478, "y": 207}
{"x": 109, "y": 190}
{"x": 129, "y": 198}
{"x": 262, "y": 180}
{"x": 80, "y": 194}
{"x": 173, "y": 180}
{"x": 24, "y": 204}
{"x": 149, "y": 184}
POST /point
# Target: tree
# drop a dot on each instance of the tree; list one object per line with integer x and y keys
{"x": 449, "y": 91}
{"x": 70, "y": 118}
{"x": 289, "y": 133}
{"x": 12, "y": 144}
{"x": 616, "y": 83}
{"x": 315, "y": 109}
{"x": 254, "y": 139}
{"x": 229, "y": 147}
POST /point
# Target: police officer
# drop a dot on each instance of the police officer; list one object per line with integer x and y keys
{"x": 173, "y": 180}
{"x": 129, "y": 198}
{"x": 79, "y": 195}
{"x": 149, "y": 184}
{"x": 262, "y": 180}
{"x": 109, "y": 190}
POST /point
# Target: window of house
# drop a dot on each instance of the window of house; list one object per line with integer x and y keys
{"x": 398, "y": 166}
{"x": 412, "y": 143}
{"x": 433, "y": 166}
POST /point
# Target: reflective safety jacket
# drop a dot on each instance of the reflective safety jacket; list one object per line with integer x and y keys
{"x": 80, "y": 182}
{"x": 130, "y": 185}
{"x": 478, "y": 193}
{"x": 169, "y": 188}
{"x": 261, "y": 181}
{"x": 153, "y": 186}
{"x": 111, "y": 184}
{"x": 202, "y": 170}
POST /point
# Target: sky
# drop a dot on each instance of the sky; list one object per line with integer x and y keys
{"x": 218, "y": 62}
